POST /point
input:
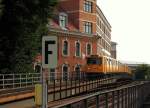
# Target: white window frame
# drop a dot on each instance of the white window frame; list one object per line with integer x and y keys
{"x": 67, "y": 72}
{"x": 87, "y": 47}
{"x": 63, "y": 47}
{"x": 87, "y": 27}
{"x": 87, "y": 7}
{"x": 79, "y": 49}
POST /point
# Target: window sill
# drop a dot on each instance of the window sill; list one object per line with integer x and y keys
{"x": 77, "y": 56}
{"x": 65, "y": 55}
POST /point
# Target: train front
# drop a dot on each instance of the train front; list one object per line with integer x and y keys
{"x": 93, "y": 68}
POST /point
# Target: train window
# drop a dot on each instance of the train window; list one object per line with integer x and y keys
{"x": 110, "y": 62}
{"x": 107, "y": 61}
{"x": 94, "y": 61}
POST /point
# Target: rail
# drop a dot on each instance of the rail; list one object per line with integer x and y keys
{"x": 24, "y": 80}
{"x": 125, "y": 97}
{"x": 58, "y": 88}
{"x": 8, "y": 81}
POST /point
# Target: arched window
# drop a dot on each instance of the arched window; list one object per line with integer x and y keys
{"x": 65, "y": 48}
{"x": 65, "y": 72}
{"x": 88, "y": 49}
{"x": 77, "y": 71}
{"x": 77, "y": 49}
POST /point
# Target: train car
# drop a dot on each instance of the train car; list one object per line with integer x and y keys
{"x": 102, "y": 66}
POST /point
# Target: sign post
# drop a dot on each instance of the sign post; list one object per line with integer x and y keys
{"x": 49, "y": 60}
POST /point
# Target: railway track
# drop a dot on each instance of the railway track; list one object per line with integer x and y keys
{"x": 61, "y": 90}
{"x": 113, "y": 96}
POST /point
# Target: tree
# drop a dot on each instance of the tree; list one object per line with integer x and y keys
{"x": 22, "y": 23}
{"x": 148, "y": 73}
{"x": 1, "y": 8}
{"x": 142, "y": 71}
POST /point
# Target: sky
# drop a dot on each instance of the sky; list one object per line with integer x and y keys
{"x": 130, "y": 21}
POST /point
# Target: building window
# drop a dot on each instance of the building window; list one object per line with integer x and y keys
{"x": 98, "y": 21}
{"x": 63, "y": 20}
{"x": 65, "y": 48}
{"x": 87, "y": 6}
{"x": 65, "y": 72}
{"x": 88, "y": 49}
{"x": 87, "y": 27}
{"x": 77, "y": 52}
{"x": 77, "y": 71}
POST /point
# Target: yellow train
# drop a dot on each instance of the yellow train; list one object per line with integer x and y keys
{"x": 101, "y": 66}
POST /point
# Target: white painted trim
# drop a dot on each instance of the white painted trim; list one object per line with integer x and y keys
{"x": 91, "y": 48}
{"x": 67, "y": 72}
{"x": 67, "y": 49}
{"x": 75, "y": 48}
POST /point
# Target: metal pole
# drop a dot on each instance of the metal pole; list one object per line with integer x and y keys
{"x": 44, "y": 89}
{"x": 97, "y": 101}
{"x": 3, "y": 82}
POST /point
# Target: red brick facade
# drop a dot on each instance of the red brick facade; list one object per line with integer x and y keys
{"x": 71, "y": 60}
{"x": 74, "y": 32}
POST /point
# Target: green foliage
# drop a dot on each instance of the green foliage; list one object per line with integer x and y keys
{"x": 22, "y": 23}
{"x": 142, "y": 72}
{"x": 1, "y": 8}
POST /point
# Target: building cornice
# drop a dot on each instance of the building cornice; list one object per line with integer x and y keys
{"x": 71, "y": 33}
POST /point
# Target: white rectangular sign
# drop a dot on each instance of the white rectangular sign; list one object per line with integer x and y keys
{"x": 49, "y": 51}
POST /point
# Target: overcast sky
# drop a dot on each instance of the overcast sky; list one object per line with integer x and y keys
{"x": 130, "y": 21}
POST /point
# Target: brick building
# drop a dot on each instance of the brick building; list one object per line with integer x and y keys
{"x": 82, "y": 30}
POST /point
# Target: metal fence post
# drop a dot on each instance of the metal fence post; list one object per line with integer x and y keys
{"x": 75, "y": 86}
{"x": 79, "y": 85}
{"x": 113, "y": 99}
{"x": 13, "y": 81}
{"x": 129, "y": 97}
{"x": 86, "y": 85}
{"x": 85, "y": 103}
{"x": 135, "y": 97}
{"x": 26, "y": 80}
{"x": 118, "y": 99}
{"x": 132, "y": 102}
{"x": 97, "y": 101}
{"x": 60, "y": 87}
{"x": 122, "y": 99}
{"x": 3, "y": 82}
{"x": 106, "y": 100}
{"x": 54, "y": 89}
{"x": 66, "y": 88}
{"x": 125, "y": 98}
{"x": 71, "y": 87}
{"x": 32, "y": 80}
{"x": 20, "y": 80}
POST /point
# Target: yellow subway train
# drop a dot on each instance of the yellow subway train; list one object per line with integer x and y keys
{"x": 102, "y": 66}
